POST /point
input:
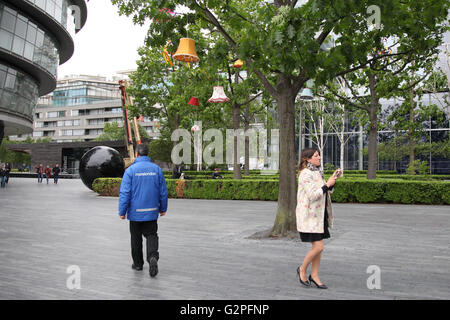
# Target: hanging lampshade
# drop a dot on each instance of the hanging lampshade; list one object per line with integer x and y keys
{"x": 195, "y": 128}
{"x": 186, "y": 51}
{"x": 238, "y": 63}
{"x": 141, "y": 119}
{"x": 307, "y": 93}
{"x": 219, "y": 95}
{"x": 194, "y": 102}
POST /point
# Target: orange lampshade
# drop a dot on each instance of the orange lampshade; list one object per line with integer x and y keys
{"x": 238, "y": 64}
{"x": 186, "y": 51}
{"x": 194, "y": 102}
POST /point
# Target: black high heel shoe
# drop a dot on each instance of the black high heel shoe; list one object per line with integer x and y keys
{"x": 305, "y": 283}
{"x": 322, "y": 286}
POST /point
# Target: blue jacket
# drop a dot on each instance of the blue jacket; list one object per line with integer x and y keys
{"x": 143, "y": 192}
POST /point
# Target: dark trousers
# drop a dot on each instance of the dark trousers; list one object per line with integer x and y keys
{"x": 148, "y": 229}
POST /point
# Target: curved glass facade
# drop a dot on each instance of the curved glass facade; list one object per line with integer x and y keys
{"x": 55, "y": 8}
{"x": 18, "y": 91}
{"x": 25, "y": 38}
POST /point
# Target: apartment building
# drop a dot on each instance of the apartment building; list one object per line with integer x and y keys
{"x": 79, "y": 108}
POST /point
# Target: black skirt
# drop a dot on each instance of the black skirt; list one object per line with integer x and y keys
{"x": 311, "y": 237}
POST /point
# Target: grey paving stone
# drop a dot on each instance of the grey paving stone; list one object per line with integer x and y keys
{"x": 206, "y": 253}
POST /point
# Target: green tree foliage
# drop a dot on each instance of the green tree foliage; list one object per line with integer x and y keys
{"x": 113, "y": 132}
{"x": 281, "y": 41}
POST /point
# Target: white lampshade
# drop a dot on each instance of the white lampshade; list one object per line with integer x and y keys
{"x": 219, "y": 95}
{"x": 306, "y": 94}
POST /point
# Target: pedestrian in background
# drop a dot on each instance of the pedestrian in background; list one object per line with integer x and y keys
{"x": 48, "y": 173}
{"x": 40, "y": 172}
{"x": 314, "y": 214}
{"x": 56, "y": 171}
{"x": 216, "y": 175}
{"x": 8, "y": 170}
{"x": 3, "y": 176}
{"x": 143, "y": 198}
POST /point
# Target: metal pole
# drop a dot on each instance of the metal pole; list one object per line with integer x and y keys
{"x": 300, "y": 133}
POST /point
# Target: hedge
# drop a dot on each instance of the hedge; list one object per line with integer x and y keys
{"x": 208, "y": 173}
{"x": 346, "y": 191}
{"x": 107, "y": 186}
{"x": 346, "y": 176}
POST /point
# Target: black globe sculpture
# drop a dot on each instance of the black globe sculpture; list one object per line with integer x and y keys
{"x": 101, "y": 162}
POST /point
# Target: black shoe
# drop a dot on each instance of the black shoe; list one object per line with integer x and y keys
{"x": 305, "y": 283}
{"x": 322, "y": 286}
{"x": 136, "y": 267}
{"x": 153, "y": 267}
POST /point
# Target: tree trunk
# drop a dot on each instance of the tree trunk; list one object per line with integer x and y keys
{"x": 373, "y": 131}
{"x": 247, "y": 146}
{"x": 285, "y": 221}
{"x": 236, "y": 124}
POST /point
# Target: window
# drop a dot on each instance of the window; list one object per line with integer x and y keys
{"x": 76, "y": 122}
{"x": 78, "y": 132}
{"x": 18, "y": 45}
{"x": 38, "y": 134}
{"x": 52, "y": 114}
{"x": 6, "y": 40}
{"x": 21, "y": 27}
{"x": 74, "y": 113}
{"x": 67, "y": 132}
{"x": 31, "y": 33}
{"x": 68, "y": 123}
{"x": 29, "y": 50}
{"x": 8, "y": 20}
{"x": 10, "y": 81}
{"x": 2, "y": 78}
{"x": 61, "y": 114}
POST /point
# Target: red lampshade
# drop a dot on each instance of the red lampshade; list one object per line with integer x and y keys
{"x": 194, "y": 102}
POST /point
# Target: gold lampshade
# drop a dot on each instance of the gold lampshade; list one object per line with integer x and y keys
{"x": 238, "y": 64}
{"x": 186, "y": 51}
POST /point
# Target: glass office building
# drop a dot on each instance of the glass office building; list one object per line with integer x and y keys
{"x": 35, "y": 38}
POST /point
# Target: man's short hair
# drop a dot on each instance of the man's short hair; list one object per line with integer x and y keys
{"x": 142, "y": 149}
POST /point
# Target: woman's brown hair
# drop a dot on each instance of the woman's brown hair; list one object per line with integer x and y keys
{"x": 306, "y": 154}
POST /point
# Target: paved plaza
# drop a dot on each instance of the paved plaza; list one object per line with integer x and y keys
{"x": 206, "y": 252}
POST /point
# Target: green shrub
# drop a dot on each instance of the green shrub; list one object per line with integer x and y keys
{"x": 107, "y": 186}
{"x": 391, "y": 191}
{"x": 356, "y": 190}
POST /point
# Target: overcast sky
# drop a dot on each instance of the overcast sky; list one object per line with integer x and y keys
{"x": 106, "y": 44}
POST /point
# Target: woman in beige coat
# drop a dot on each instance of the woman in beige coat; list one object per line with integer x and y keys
{"x": 314, "y": 214}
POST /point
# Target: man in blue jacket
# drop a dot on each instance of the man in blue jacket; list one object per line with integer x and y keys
{"x": 143, "y": 197}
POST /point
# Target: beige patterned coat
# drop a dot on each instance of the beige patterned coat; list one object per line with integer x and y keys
{"x": 310, "y": 209}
